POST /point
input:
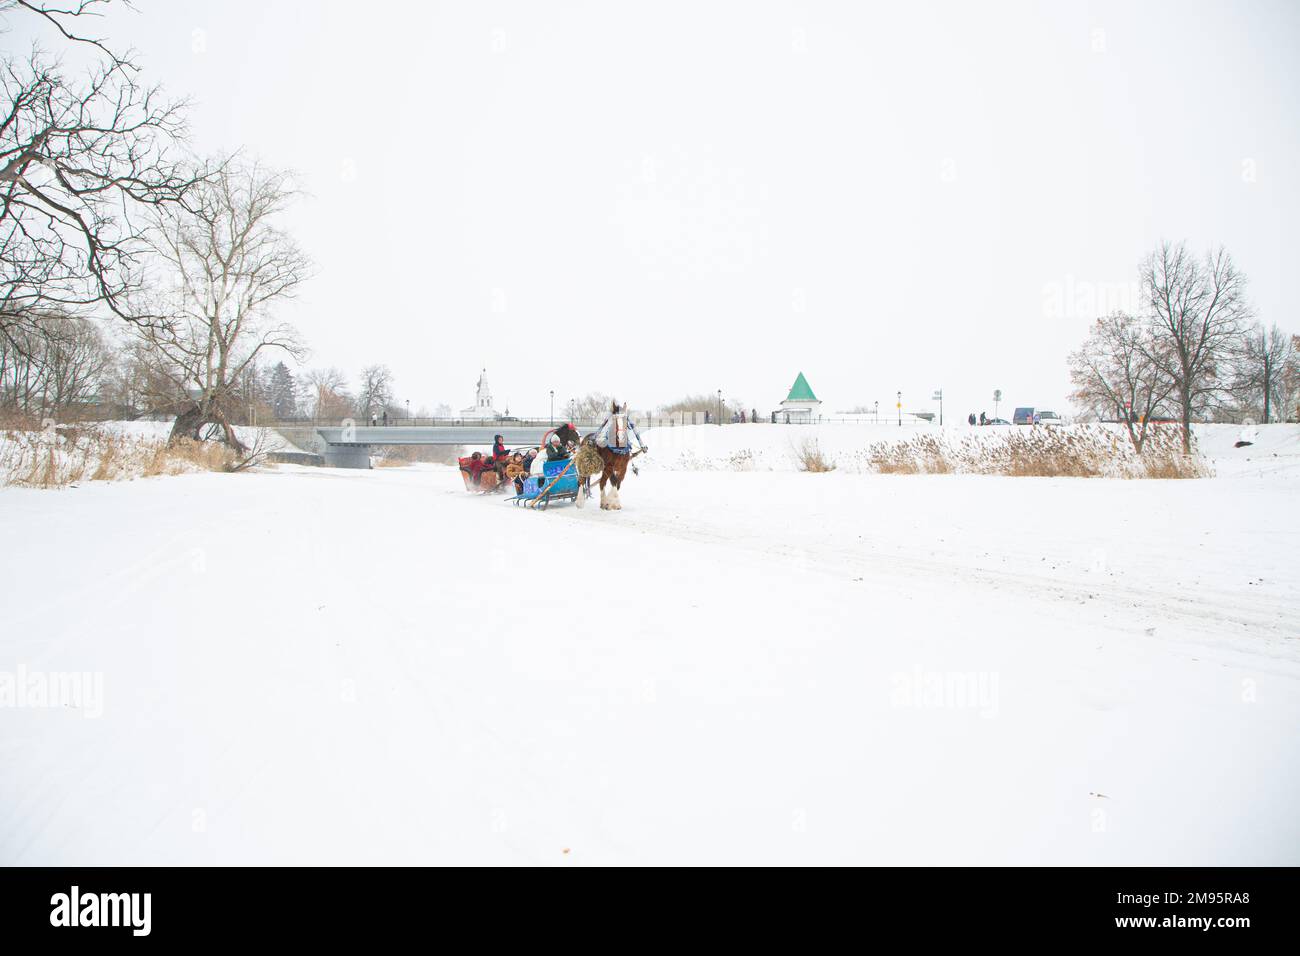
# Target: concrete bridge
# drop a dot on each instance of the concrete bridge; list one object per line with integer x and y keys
{"x": 348, "y": 446}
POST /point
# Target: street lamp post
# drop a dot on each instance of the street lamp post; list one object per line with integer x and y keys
{"x": 900, "y": 409}
{"x": 875, "y": 412}
{"x": 408, "y": 409}
{"x": 938, "y": 394}
{"x": 552, "y": 408}
{"x": 719, "y": 406}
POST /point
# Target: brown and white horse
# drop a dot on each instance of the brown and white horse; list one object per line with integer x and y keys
{"x": 613, "y": 466}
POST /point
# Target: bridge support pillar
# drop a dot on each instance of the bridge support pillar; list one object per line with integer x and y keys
{"x": 345, "y": 456}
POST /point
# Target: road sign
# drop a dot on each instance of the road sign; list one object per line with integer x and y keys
{"x": 997, "y": 394}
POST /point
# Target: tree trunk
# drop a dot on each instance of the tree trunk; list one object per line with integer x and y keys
{"x": 1268, "y": 385}
{"x": 187, "y": 425}
{"x": 231, "y": 438}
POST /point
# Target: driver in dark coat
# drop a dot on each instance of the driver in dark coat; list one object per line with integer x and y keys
{"x": 556, "y": 450}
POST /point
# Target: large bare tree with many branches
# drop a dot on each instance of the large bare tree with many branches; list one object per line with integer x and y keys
{"x": 1114, "y": 373}
{"x": 1198, "y": 311}
{"x": 83, "y": 158}
{"x": 227, "y": 265}
{"x": 1267, "y": 356}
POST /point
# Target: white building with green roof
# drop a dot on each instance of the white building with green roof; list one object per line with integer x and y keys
{"x": 801, "y": 405}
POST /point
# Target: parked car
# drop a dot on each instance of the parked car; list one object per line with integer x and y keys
{"x": 996, "y": 421}
{"x": 1049, "y": 418}
{"x": 1024, "y": 416}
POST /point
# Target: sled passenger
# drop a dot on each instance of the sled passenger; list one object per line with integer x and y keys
{"x": 475, "y": 467}
{"x": 499, "y": 448}
{"x": 555, "y": 449}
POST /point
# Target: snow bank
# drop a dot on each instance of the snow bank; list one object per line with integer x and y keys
{"x": 767, "y": 447}
{"x": 250, "y": 435}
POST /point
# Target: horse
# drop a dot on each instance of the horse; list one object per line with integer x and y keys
{"x": 614, "y": 456}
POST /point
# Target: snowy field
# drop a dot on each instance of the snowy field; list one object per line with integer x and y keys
{"x": 327, "y": 666}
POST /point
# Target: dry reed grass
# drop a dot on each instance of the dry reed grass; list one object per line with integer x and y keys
{"x": 1039, "y": 453}
{"x": 810, "y": 457}
{"x": 58, "y": 457}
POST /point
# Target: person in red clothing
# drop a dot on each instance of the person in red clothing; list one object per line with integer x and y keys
{"x": 474, "y": 466}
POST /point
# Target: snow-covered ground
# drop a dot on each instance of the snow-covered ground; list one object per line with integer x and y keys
{"x": 266, "y": 438}
{"x": 316, "y": 665}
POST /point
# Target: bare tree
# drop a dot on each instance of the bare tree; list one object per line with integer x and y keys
{"x": 704, "y": 402}
{"x": 1114, "y": 373}
{"x": 1289, "y": 389}
{"x": 592, "y": 407}
{"x": 57, "y": 361}
{"x": 127, "y": 387}
{"x": 376, "y": 392}
{"x": 81, "y": 160}
{"x": 230, "y": 265}
{"x": 328, "y": 394}
{"x": 1198, "y": 311}
{"x": 1265, "y": 356}
{"x": 77, "y": 363}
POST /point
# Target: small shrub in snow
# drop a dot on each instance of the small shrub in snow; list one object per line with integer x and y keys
{"x": 810, "y": 458}
{"x": 742, "y": 460}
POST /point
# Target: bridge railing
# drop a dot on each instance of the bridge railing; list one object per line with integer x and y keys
{"x": 642, "y": 419}
{"x": 427, "y": 423}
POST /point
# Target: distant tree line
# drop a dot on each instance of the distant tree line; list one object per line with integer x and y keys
{"x": 1196, "y": 353}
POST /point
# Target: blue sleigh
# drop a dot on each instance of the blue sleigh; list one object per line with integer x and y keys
{"x": 557, "y": 482}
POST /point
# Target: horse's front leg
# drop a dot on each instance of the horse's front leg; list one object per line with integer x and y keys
{"x": 614, "y": 503}
{"x": 604, "y": 502}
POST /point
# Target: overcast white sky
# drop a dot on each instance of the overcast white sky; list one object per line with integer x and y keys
{"x": 655, "y": 198}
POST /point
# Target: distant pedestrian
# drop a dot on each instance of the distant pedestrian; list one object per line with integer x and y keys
{"x": 753, "y": 414}
{"x": 373, "y": 420}
{"x": 983, "y": 419}
{"x": 385, "y": 418}
{"x": 970, "y": 420}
